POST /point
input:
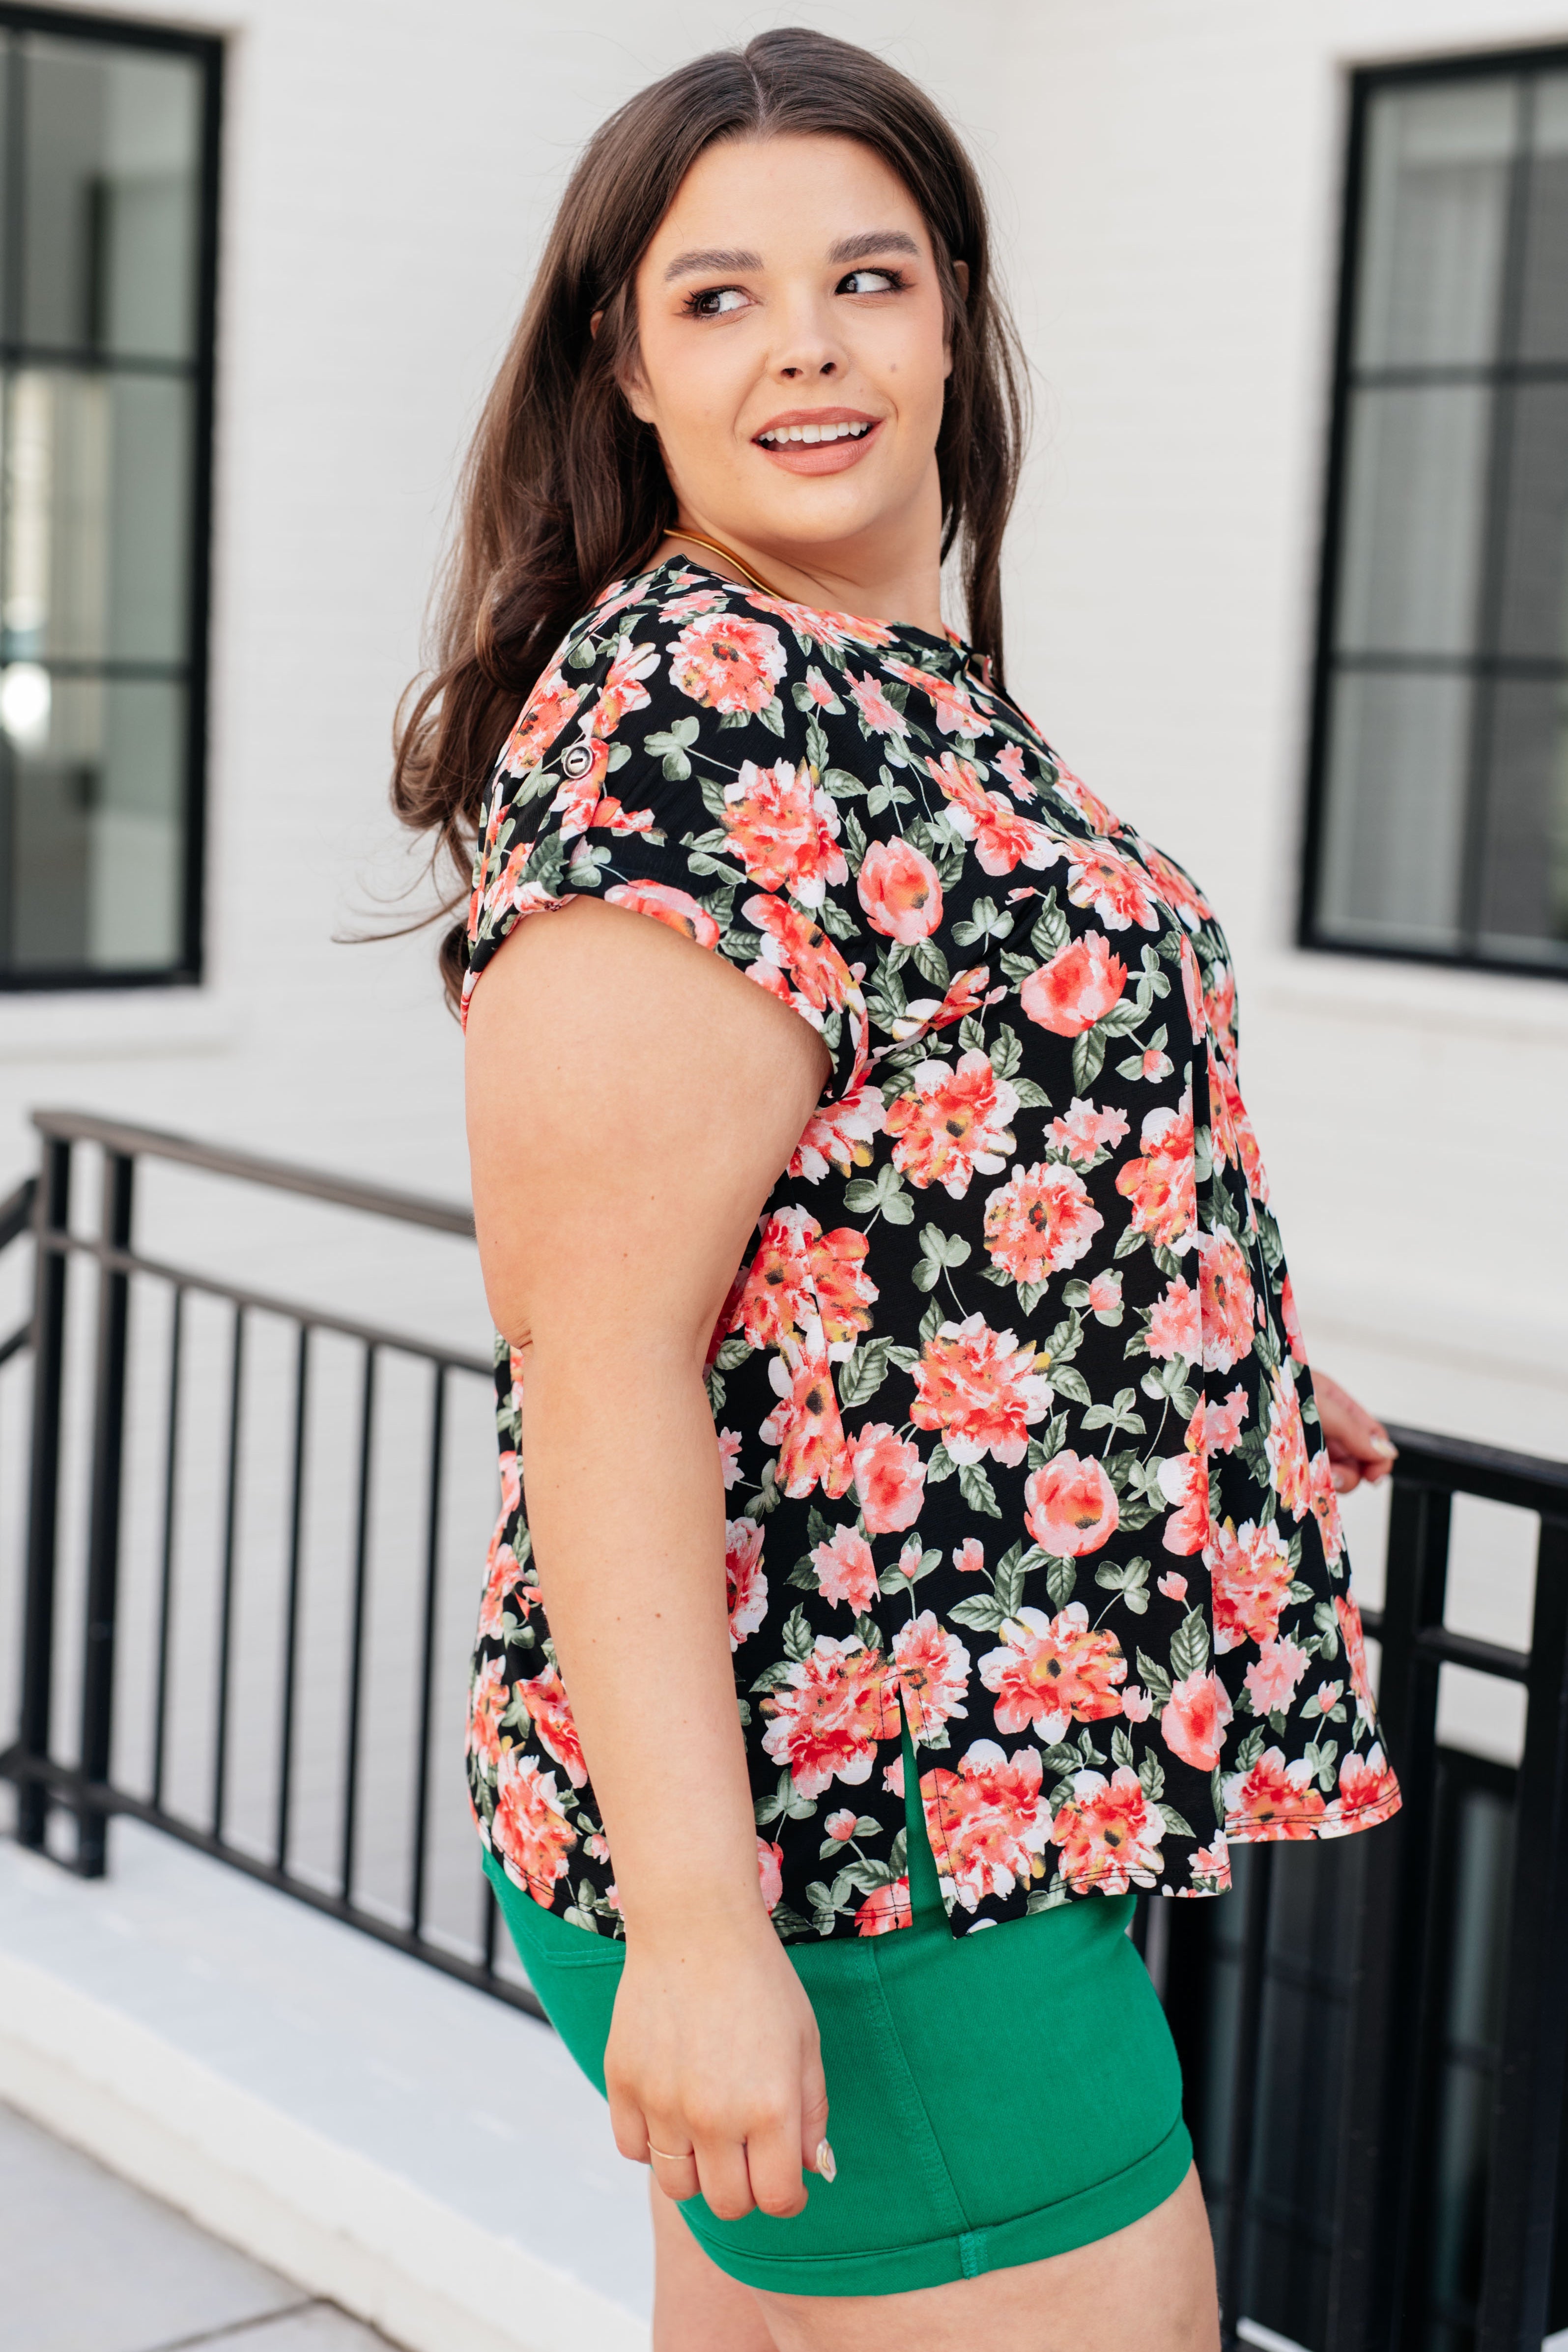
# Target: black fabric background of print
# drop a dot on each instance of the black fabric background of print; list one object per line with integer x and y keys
{"x": 1165, "y": 1635}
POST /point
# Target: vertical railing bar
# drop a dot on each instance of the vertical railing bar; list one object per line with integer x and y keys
{"x": 166, "y": 1568}
{"x": 427, "y": 1649}
{"x": 487, "y": 1924}
{"x": 291, "y": 1606}
{"x": 357, "y": 1635}
{"x": 101, "y": 1599}
{"x": 226, "y": 1606}
{"x": 1528, "y": 2087}
{"x": 1241, "y": 2129}
{"x": 1391, "y": 2024}
{"x": 51, "y": 1216}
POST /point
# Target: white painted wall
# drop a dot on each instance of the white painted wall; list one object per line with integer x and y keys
{"x": 1166, "y": 177}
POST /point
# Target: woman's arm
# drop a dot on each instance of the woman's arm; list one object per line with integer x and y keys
{"x": 632, "y": 1100}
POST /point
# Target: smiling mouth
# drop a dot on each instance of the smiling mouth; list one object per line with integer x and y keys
{"x": 810, "y": 435}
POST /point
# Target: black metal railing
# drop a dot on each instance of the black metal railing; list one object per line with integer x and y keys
{"x": 1374, "y": 2032}
{"x": 70, "y": 1782}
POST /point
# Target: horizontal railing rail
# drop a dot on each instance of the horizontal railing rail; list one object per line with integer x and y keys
{"x": 1343, "y": 2074}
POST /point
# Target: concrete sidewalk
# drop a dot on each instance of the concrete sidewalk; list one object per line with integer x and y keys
{"x": 89, "y": 2263}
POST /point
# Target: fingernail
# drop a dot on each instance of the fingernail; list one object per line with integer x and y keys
{"x": 1343, "y": 1482}
{"x": 1382, "y": 1445}
{"x": 827, "y": 2163}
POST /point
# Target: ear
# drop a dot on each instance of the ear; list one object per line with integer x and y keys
{"x": 593, "y": 325}
{"x": 635, "y": 392}
{"x": 961, "y": 272}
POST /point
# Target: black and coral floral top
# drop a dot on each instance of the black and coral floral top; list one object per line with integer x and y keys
{"x": 1010, "y": 1395}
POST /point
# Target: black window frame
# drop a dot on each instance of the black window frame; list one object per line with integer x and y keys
{"x": 1367, "y": 83}
{"x": 206, "y": 52}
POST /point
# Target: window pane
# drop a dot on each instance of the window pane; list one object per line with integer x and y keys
{"x": 1544, "y": 333}
{"x": 96, "y": 787}
{"x": 1398, "y": 757}
{"x": 109, "y": 199}
{"x": 1524, "y": 888}
{"x": 1416, "y": 493}
{"x": 97, "y": 516}
{"x": 1534, "y": 618}
{"x": 1435, "y": 221}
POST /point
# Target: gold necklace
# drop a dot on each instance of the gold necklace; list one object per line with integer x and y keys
{"x": 729, "y": 555}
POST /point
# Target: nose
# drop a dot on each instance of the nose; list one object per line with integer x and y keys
{"x": 823, "y": 367}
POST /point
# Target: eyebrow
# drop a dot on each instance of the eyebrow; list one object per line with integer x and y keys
{"x": 848, "y": 248}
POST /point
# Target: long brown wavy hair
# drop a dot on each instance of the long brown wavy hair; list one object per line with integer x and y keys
{"x": 564, "y": 490}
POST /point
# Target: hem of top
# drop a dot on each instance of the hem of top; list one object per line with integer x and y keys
{"x": 1285, "y": 1825}
{"x": 1079, "y": 2220}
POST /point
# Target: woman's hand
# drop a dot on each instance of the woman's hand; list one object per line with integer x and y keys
{"x": 714, "y": 2070}
{"x": 1359, "y": 1448}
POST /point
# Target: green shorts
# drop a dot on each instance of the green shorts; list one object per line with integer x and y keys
{"x": 993, "y": 2098}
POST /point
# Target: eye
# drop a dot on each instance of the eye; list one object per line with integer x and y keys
{"x": 713, "y": 302}
{"x": 872, "y": 281}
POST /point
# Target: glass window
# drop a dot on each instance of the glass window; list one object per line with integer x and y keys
{"x": 1440, "y": 763}
{"x": 106, "y": 199}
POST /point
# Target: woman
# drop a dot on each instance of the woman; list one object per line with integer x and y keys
{"x": 931, "y": 1521}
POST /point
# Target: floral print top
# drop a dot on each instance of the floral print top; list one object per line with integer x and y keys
{"x": 1010, "y": 1395}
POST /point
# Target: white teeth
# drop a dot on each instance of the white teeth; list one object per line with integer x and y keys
{"x": 813, "y": 433}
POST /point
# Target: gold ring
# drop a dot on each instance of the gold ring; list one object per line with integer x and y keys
{"x": 667, "y": 2157}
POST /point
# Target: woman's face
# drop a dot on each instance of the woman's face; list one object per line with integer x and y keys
{"x": 789, "y": 288}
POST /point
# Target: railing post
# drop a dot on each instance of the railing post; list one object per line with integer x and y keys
{"x": 103, "y": 1523}
{"x": 1527, "y": 2104}
{"x": 51, "y": 1215}
{"x": 1388, "y": 2027}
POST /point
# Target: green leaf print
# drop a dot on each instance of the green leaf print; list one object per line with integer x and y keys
{"x": 864, "y": 1372}
{"x": 1189, "y": 1648}
{"x": 881, "y": 1196}
{"x": 1155, "y": 1679}
{"x": 797, "y": 1635}
{"x": 1006, "y": 1052}
{"x": 1088, "y": 1053}
{"x": 1051, "y": 930}
{"x": 1131, "y": 1580}
{"x": 1061, "y": 1581}
{"x": 981, "y": 1613}
{"x": 978, "y": 1491}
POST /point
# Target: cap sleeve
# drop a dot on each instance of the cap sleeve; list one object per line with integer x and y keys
{"x": 663, "y": 764}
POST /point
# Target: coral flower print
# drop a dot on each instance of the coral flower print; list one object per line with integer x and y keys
{"x": 981, "y": 1389}
{"x": 828, "y": 1716}
{"x": 744, "y": 1581}
{"x": 487, "y": 1700}
{"x": 785, "y": 830}
{"x": 845, "y": 1570}
{"x": 1053, "y": 1672}
{"x": 1077, "y": 987}
{"x": 544, "y": 1697}
{"x": 1354, "y": 1639}
{"x": 666, "y": 905}
{"x": 805, "y": 1425}
{"x": 988, "y": 1821}
{"x": 528, "y": 1830}
{"x": 727, "y": 663}
{"x": 1176, "y": 1324}
{"x": 953, "y": 1122}
{"x": 1368, "y": 1792}
{"x": 1010, "y": 1403}
{"x": 933, "y": 1670}
{"x": 1225, "y": 1288}
{"x": 1286, "y": 1445}
{"x": 1162, "y": 1186}
{"x": 770, "y": 1873}
{"x": 1109, "y": 1833}
{"x": 889, "y": 1479}
{"x": 1274, "y": 1799}
{"x": 1193, "y": 1719}
{"x": 886, "y": 1908}
{"x": 901, "y": 892}
{"x": 1250, "y": 1574}
{"x": 1087, "y": 1130}
{"x": 1041, "y": 1221}
{"x": 1071, "y": 1506}
{"x": 1119, "y": 893}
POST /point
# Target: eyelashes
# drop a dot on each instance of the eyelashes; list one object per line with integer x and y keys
{"x": 721, "y": 301}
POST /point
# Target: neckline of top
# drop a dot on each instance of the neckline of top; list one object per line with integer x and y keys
{"x": 950, "y": 646}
